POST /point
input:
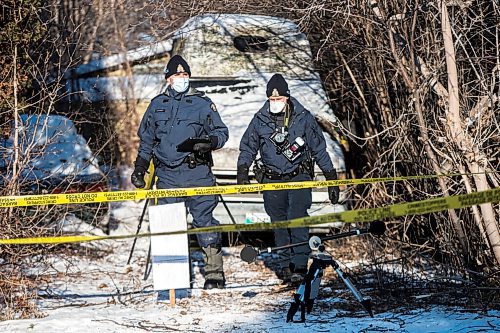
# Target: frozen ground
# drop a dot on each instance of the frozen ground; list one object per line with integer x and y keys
{"x": 106, "y": 295}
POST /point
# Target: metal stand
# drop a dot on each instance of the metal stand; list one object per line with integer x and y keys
{"x": 147, "y": 270}
{"x": 138, "y": 229}
{"x": 243, "y": 238}
{"x": 308, "y": 290}
{"x": 249, "y": 253}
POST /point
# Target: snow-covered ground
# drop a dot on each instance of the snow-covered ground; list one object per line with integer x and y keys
{"x": 88, "y": 294}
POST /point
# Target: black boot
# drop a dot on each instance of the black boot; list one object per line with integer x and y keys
{"x": 212, "y": 284}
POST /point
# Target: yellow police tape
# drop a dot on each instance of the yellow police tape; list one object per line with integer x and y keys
{"x": 79, "y": 198}
{"x": 361, "y": 215}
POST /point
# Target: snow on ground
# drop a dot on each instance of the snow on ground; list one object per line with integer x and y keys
{"x": 106, "y": 295}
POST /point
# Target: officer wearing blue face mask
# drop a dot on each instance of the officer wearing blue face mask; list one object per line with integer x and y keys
{"x": 179, "y": 114}
{"x": 289, "y": 141}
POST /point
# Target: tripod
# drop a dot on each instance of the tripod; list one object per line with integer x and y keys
{"x": 309, "y": 288}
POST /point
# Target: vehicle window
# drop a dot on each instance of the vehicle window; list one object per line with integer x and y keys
{"x": 251, "y": 44}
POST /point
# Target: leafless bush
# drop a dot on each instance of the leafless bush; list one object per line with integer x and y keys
{"x": 384, "y": 64}
{"x": 33, "y": 58}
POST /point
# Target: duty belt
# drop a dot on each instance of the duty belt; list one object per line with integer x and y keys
{"x": 191, "y": 160}
{"x": 272, "y": 175}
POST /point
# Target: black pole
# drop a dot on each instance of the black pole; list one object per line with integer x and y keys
{"x": 243, "y": 238}
{"x": 147, "y": 270}
{"x": 138, "y": 229}
{"x": 249, "y": 253}
{"x": 337, "y": 236}
{"x": 376, "y": 228}
{"x": 141, "y": 218}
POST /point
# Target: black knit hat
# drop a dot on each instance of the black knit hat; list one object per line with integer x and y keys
{"x": 277, "y": 86}
{"x": 175, "y": 65}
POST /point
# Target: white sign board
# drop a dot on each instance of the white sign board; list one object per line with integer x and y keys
{"x": 169, "y": 254}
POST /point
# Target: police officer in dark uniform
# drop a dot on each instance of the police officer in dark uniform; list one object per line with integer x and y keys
{"x": 289, "y": 141}
{"x": 180, "y": 113}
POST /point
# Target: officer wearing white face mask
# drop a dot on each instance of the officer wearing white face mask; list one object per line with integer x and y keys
{"x": 289, "y": 141}
{"x": 181, "y": 113}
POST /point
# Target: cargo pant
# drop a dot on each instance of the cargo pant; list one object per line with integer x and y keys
{"x": 286, "y": 205}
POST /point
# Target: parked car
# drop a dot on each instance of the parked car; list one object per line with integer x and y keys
{"x": 54, "y": 158}
{"x": 232, "y": 57}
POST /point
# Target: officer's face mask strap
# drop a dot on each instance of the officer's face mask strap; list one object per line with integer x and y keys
{"x": 180, "y": 84}
{"x": 276, "y": 107}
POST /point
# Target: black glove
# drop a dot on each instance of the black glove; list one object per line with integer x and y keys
{"x": 333, "y": 191}
{"x": 137, "y": 178}
{"x": 242, "y": 175}
{"x": 203, "y": 148}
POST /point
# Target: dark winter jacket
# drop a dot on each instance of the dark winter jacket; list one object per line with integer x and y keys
{"x": 172, "y": 118}
{"x": 301, "y": 124}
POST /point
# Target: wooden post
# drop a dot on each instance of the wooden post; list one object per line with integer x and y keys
{"x": 172, "y": 297}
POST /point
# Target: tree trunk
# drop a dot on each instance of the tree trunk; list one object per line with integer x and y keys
{"x": 15, "y": 145}
{"x": 458, "y": 136}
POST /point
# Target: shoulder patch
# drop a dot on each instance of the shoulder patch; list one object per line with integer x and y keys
{"x": 213, "y": 107}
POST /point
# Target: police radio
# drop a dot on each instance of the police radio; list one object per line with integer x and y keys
{"x": 295, "y": 149}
